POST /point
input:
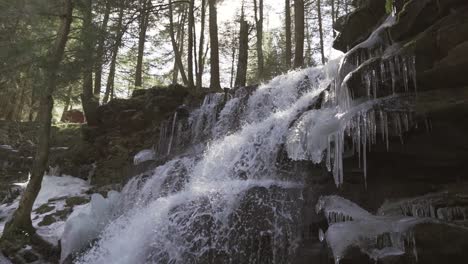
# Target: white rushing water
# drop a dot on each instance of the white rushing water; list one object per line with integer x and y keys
{"x": 225, "y": 200}
{"x": 195, "y": 206}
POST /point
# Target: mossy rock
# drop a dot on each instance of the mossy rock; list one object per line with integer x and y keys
{"x": 29, "y": 256}
{"x": 48, "y": 220}
{"x": 60, "y": 215}
{"x": 77, "y": 200}
{"x": 63, "y": 214}
{"x": 45, "y": 208}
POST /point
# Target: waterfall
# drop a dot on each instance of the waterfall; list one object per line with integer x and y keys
{"x": 227, "y": 201}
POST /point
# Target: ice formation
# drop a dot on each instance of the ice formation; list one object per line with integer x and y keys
{"x": 160, "y": 213}
{"x": 85, "y": 224}
{"x": 54, "y": 191}
{"x": 144, "y": 155}
{"x": 377, "y": 236}
{"x": 320, "y": 134}
{"x": 225, "y": 170}
{"x": 443, "y": 206}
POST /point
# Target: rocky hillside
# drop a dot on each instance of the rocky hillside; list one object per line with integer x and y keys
{"x": 424, "y": 51}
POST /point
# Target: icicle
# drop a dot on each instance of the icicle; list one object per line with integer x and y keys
{"x": 382, "y": 125}
{"x": 412, "y": 62}
{"x": 374, "y": 83}
{"x": 329, "y": 153}
{"x": 398, "y": 65}
{"x": 368, "y": 83}
{"x": 359, "y": 138}
{"x": 172, "y": 133}
{"x": 426, "y": 122}
{"x": 405, "y": 122}
{"x": 364, "y": 152}
{"x": 382, "y": 71}
{"x": 321, "y": 235}
{"x": 405, "y": 74}
{"x": 392, "y": 73}
{"x": 399, "y": 129}
{"x": 386, "y": 131}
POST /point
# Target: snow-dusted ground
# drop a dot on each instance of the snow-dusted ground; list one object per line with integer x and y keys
{"x": 4, "y": 260}
{"x": 54, "y": 191}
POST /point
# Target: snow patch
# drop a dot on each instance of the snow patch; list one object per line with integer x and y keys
{"x": 54, "y": 191}
{"x": 86, "y": 224}
{"x": 144, "y": 155}
{"x": 376, "y": 236}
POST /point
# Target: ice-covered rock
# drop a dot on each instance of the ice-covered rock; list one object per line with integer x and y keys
{"x": 376, "y": 236}
{"x": 144, "y": 155}
{"x": 86, "y": 224}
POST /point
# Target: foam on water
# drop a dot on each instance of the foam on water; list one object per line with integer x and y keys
{"x": 227, "y": 201}
{"x": 192, "y": 205}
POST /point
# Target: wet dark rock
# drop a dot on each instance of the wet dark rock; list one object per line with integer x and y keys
{"x": 29, "y": 256}
{"x": 417, "y": 15}
{"x": 45, "y": 208}
{"x": 127, "y": 126}
{"x": 359, "y": 24}
{"x": 77, "y": 200}
{"x": 440, "y": 243}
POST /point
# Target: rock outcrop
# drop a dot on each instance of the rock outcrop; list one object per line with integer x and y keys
{"x": 423, "y": 52}
{"x": 126, "y": 126}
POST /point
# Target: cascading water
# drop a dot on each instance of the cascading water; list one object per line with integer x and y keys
{"x": 227, "y": 201}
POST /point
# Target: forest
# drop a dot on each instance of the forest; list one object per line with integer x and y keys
{"x": 115, "y": 47}
{"x": 233, "y": 131}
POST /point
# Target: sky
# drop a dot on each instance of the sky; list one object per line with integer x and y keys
{"x": 228, "y": 11}
{"x": 273, "y": 10}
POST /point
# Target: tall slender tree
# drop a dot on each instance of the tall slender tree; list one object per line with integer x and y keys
{"x": 242, "y": 64}
{"x": 119, "y": 32}
{"x": 215, "y": 83}
{"x": 258, "y": 8}
{"x": 99, "y": 61}
{"x": 190, "y": 44}
{"x": 89, "y": 101}
{"x": 145, "y": 6}
{"x": 177, "y": 54}
{"x": 288, "y": 34}
{"x": 299, "y": 24}
{"x": 20, "y": 224}
{"x": 320, "y": 24}
{"x": 201, "y": 60}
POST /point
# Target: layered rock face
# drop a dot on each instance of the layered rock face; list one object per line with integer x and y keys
{"x": 17, "y": 147}
{"x": 422, "y": 51}
{"x": 127, "y": 126}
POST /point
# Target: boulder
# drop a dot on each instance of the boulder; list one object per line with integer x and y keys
{"x": 359, "y": 24}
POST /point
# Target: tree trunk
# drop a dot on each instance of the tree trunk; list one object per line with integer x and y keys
{"x": 233, "y": 60}
{"x": 259, "y": 26}
{"x": 177, "y": 55}
{"x": 20, "y": 105}
{"x": 115, "y": 50}
{"x": 333, "y": 16}
{"x": 20, "y": 223}
{"x": 309, "y": 59}
{"x": 180, "y": 46}
{"x": 100, "y": 51}
{"x": 90, "y": 103}
{"x": 288, "y": 34}
{"x": 190, "y": 44}
{"x": 32, "y": 106}
{"x": 215, "y": 83}
{"x": 143, "y": 26}
{"x": 299, "y": 28}
{"x": 319, "y": 13}
{"x": 67, "y": 102}
{"x": 241, "y": 76}
{"x": 201, "y": 63}
{"x": 337, "y": 11}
